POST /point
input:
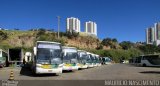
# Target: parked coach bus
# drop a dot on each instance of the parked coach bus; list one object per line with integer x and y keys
{"x": 107, "y": 60}
{"x": 82, "y": 55}
{"x": 98, "y": 60}
{"x": 70, "y": 58}
{"x": 148, "y": 60}
{"x": 47, "y": 57}
{"x": 94, "y": 60}
{"x": 89, "y": 60}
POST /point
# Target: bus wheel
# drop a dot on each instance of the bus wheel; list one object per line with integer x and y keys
{"x": 34, "y": 73}
{"x": 2, "y": 66}
{"x": 144, "y": 65}
{"x": 55, "y": 74}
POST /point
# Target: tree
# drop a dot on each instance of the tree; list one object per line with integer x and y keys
{"x": 149, "y": 49}
{"x": 106, "y": 41}
{"x": 72, "y": 34}
{"x": 62, "y": 34}
{"x": 115, "y": 40}
{"x": 41, "y": 31}
{"x": 99, "y": 47}
{"x": 126, "y": 45}
{"x": 110, "y": 42}
{"x": 3, "y": 35}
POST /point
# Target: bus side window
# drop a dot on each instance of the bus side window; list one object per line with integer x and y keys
{"x": 143, "y": 58}
{"x": 62, "y": 55}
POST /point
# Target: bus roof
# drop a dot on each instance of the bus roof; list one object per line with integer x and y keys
{"x": 97, "y": 55}
{"x": 65, "y": 47}
{"x": 93, "y": 54}
{"x": 81, "y": 51}
{"x": 48, "y": 42}
{"x": 89, "y": 53}
{"x": 68, "y": 49}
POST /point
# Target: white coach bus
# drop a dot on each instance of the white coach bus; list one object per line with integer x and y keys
{"x": 82, "y": 55}
{"x": 148, "y": 60}
{"x": 90, "y": 60}
{"x": 47, "y": 57}
{"x": 70, "y": 58}
{"x": 98, "y": 60}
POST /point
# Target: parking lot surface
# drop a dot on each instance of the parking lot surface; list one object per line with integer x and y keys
{"x": 104, "y": 72}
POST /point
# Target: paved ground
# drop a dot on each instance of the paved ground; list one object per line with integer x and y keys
{"x": 105, "y": 72}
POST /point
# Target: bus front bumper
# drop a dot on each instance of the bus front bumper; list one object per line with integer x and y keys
{"x": 90, "y": 65}
{"x": 70, "y": 68}
{"x": 43, "y": 71}
{"x": 95, "y": 65}
{"x": 99, "y": 64}
{"x": 83, "y": 66}
{"x": 107, "y": 63}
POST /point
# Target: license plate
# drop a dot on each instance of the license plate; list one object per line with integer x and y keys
{"x": 46, "y": 66}
{"x": 68, "y": 65}
{"x": 49, "y": 70}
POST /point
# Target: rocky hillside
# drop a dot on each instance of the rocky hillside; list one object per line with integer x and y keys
{"x": 26, "y": 39}
{"x": 107, "y": 47}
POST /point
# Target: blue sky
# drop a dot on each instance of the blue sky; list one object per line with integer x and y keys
{"x": 125, "y": 20}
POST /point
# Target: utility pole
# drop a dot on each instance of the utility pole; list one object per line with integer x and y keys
{"x": 58, "y": 17}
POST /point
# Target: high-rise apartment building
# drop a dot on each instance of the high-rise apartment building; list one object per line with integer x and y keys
{"x": 150, "y": 35}
{"x": 73, "y": 24}
{"x": 91, "y": 27}
{"x": 157, "y": 31}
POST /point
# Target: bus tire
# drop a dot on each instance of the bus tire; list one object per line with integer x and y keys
{"x": 4, "y": 65}
{"x": 34, "y": 73}
{"x": 144, "y": 65}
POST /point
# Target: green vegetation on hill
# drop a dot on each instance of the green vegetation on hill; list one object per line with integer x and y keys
{"x": 117, "y": 54}
{"x": 107, "y": 47}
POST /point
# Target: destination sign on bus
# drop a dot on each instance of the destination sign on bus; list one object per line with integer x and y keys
{"x": 53, "y": 46}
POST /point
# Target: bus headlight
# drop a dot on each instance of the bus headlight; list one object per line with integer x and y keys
{"x": 38, "y": 65}
{"x": 60, "y": 65}
{"x": 79, "y": 64}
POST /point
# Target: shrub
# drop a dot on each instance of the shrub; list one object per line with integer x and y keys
{"x": 72, "y": 34}
{"x": 117, "y": 54}
{"x": 3, "y": 35}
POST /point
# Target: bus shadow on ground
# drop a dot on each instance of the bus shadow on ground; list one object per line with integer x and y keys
{"x": 72, "y": 71}
{"x": 68, "y": 71}
{"x": 151, "y": 72}
{"x": 28, "y": 72}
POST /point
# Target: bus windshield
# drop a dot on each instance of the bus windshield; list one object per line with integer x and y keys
{"x": 82, "y": 56}
{"x": 97, "y": 59}
{"x": 70, "y": 55}
{"x": 93, "y": 57}
{"x": 88, "y": 58}
{"x": 48, "y": 55}
{"x": 107, "y": 59}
